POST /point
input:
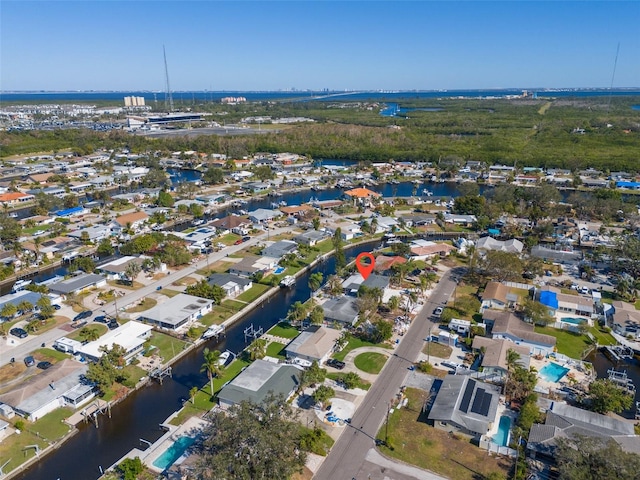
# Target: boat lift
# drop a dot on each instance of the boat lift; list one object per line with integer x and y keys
{"x": 252, "y": 333}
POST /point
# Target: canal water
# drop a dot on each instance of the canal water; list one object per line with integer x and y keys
{"x": 140, "y": 415}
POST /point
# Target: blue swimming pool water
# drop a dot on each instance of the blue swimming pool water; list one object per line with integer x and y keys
{"x": 552, "y": 372}
{"x": 173, "y": 453}
{"x": 502, "y": 437}
{"x": 279, "y": 270}
{"x": 573, "y": 321}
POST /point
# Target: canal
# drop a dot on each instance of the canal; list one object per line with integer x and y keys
{"x": 140, "y": 415}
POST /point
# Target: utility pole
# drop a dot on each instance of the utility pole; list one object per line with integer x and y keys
{"x": 169, "y": 96}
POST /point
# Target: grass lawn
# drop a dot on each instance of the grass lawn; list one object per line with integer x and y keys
{"x": 117, "y": 284}
{"x": 52, "y": 322}
{"x": 217, "y": 267}
{"x": 49, "y": 355}
{"x": 284, "y": 330}
{"x": 276, "y": 350}
{"x": 229, "y": 238}
{"x": 135, "y": 373}
{"x": 233, "y": 305}
{"x": 364, "y": 384}
{"x": 185, "y": 281}
{"x": 146, "y": 304}
{"x": 574, "y": 344}
{"x": 354, "y": 343}
{"x": 437, "y": 350}
{"x": 100, "y": 327}
{"x": 370, "y": 362}
{"x": 254, "y": 292}
{"x": 14, "y": 449}
{"x": 218, "y": 314}
{"x": 416, "y": 443}
{"x": 167, "y": 292}
{"x": 166, "y": 345}
{"x": 51, "y": 426}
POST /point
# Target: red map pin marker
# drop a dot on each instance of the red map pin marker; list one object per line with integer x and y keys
{"x": 365, "y": 269}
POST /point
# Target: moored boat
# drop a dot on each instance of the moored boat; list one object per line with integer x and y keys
{"x": 213, "y": 331}
{"x": 288, "y": 281}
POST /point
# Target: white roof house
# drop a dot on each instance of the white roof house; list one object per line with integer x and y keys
{"x": 177, "y": 311}
{"x": 314, "y": 344}
{"x": 130, "y": 336}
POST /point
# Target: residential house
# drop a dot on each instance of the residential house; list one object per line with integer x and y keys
{"x": 233, "y": 285}
{"x": 384, "y": 263}
{"x": 563, "y": 303}
{"x": 131, "y": 336}
{"x": 11, "y": 199}
{"x": 19, "y": 297}
{"x": 494, "y": 355}
{"x": 497, "y": 296}
{"x": 72, "y": 212}
{"x": 232, "y": 224}
{"x": 179, "y": 311}
{"x": 566, "y": 421}
{"x": 342, "y": 310}
{"x": 94, "y": 233}
{"x": 134, "y": 220}
{"x": 418, "y": 220}
{"x": 116, "y": 269}
{"x": 465, "y": 406}
{"x": 280, "y": 248}
{"x": 78, "y": 284}
{"x": 626, "y": 319}
{"x": 313, "y": 345}
{"x": 352, "y": 284}
{"x": 423, "y": 249}
{"x": 297, "y": 211}
{"x": 61, "y": 385}
{"x": 505, "y": 325}
{"x": 263, "y": 215}
{"x": 361, "y": 196}
{"x": 462, "y": 220}
{"x": 489, "y": 243}
{"x": 259, "y": 380}
{"x": 310, "y": 237}
{"x": 250, "y": 265}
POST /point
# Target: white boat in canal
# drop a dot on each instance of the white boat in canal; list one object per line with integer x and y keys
{"x": 213, "y": 331}
{"x": 19, "y": 285}
{"x": 224, "y": 356}
{"x": 288, "y": 281}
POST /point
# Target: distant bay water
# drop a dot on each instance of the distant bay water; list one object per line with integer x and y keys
{"x": 189, "y": 97}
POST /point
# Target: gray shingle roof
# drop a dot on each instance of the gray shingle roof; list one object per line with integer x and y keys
{"x": 76, "y": 283}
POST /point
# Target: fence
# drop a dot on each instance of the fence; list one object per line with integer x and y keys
{"x": 497, "y": 449}
{"x": 523, "y": 286}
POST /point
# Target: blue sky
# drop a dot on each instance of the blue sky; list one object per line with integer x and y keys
{"x": 265, "y": 45}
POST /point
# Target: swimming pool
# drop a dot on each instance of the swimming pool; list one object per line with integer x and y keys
{"x": 173, "y": 453}
{"x": 279, "y": 270}
{"x": 573, "y": 321}
{"x": 552, "y": 372}
{"x": 504, "y": 428}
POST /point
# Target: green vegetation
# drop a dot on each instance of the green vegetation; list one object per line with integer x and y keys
{"x": 355, "y": 342}
{"x": 276, "y": 350}
{"x": 284, "y": 330}
{"x": 254, "y": 292}
{"x": 437, "y": 350}
{"x": 370, "y": 362}
{"x": 412, "y": 441}
{"x": 165, "y": 345}
{"x": 316, "y": 441}
{"x": 146, "y": 304}
{"x": 574, "y": 344}
{"x": 340, "y": 378}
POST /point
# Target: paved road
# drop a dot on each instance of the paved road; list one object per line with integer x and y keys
{"x": 348, "y": 455}
{"x": 18, "y": 349}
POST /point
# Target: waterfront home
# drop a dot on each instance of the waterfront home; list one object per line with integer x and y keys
{"x": 462, "y": 220}
{"x": 179, "y": 311}
{"x": 131, "y": 336}
{"x": 489, "y": 243}
{"x": 52, "y": 246}
{"x": 280, "y": 248}
{"x": 625, "y": 319}
{"x": 233, "y": 285}
{"x": 342, "y": 310}
{"x": 102, "y": 181}
{"x": 11, "y": 199}
{"x": 494, "y": 355}
{"x": 254, "y": 188}
{"x": 353, "y": 283}
{"x": 62, "y": 385}
{"x": 505, "y": 325}
{"x": 20, "y": 297}
{"x": 423, "y": 249}
{"x": 263, "y": 215}
{"x": 297, "y": 211}
{"x": 386, "y": 224}
{"x": 37, "y": 220}
{"x": 313, "y": 345}
{"x": 362, "y": 196}
{"x": 72, "y": 212}
{"x": 563, "y": 303}
{"x": 260, "y": 380}
{"x": 566, "y": 421}
{"x": 497, "y": 296}
{"x": 250, "y": 265}
{"x": 116, "y": 269}
{"x": 55, "y": 191}
{"x": 384, "y": 263}
{"x": 94, "y": 233}
{"x": 232, "y": 224}
{"x": 78, "y": 284}
{"x": 418, "y": 220}
{"x": 465, "y": 406}
{"x": 135, "y": 221}
{"x": 310, "y": 238}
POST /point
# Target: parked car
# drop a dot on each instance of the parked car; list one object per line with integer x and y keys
{"x": 332, "y": 362}
{"x": 82, "y": 315}
{"x": 44, "y": 365}
{"x": 19, "y": 332}
{"x": 57, "y": 307}
{"x": 29, "y": 361}
{"x": 113, "y": 324}
{"x": 100, "y": 319}
{"x": 238, "y": 242}
{"x": 246, "y": 239}
{"x": 438, "y": 311}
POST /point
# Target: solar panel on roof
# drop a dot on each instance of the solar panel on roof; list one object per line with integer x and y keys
{"x": 466, "y": 398}
{"x": 481, "y": 403}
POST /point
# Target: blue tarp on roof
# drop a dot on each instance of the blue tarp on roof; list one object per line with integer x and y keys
{"x": 494, "y": 231}
{"x": 621, "y": 184}
{"x": 69, "y": 211}
{"x": 549, "y": 299}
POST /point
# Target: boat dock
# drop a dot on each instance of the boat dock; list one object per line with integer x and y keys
{"x": 618, "y": 353}
{"x": 621, "y": 379}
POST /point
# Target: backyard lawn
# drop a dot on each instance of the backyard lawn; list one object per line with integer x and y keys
{"x": 574, "y": 344}
{"x": 370, "y": 362}
{"x": 254, "y": 292}
{"x": 284, "y": 330}
{"x": 276, "y": 350}
{"x": 166, "y": 345}
{"x": 452, "y": 456}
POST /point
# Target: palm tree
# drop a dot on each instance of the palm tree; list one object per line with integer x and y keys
{"x": 511, "y": 360}
{"x": 89, "y": 334}
{"x": 297, "y": 312}
{"x": 25, "y": 306}
{"x": 393, "y": 303}
{"x": 257, "y": 349}
{"x": 334, "y": 285}
{"x": 211, "y": 365}
{"x": 315, "y": 282}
